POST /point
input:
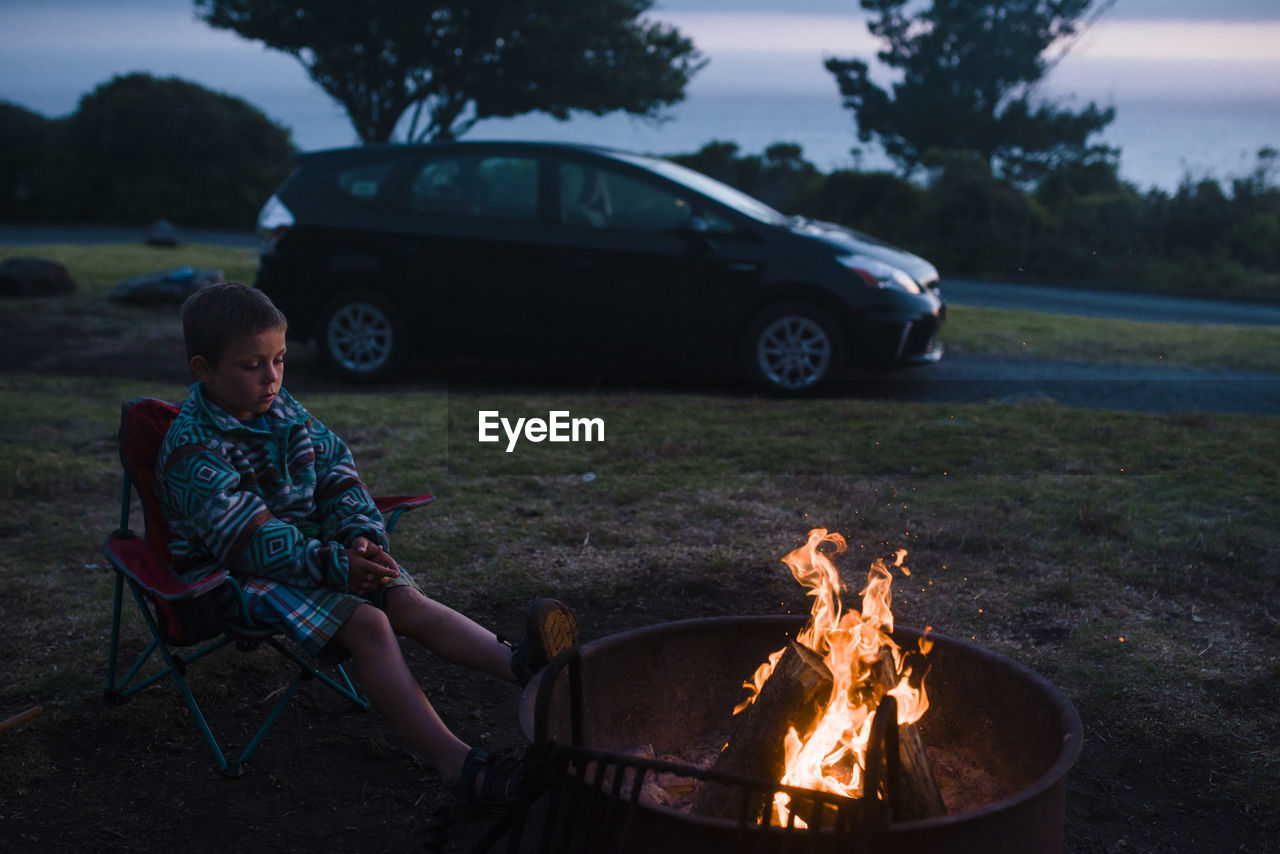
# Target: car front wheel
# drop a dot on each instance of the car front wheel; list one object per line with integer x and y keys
{"x": 361, "y": 337}
{"x": 792, "y": 349}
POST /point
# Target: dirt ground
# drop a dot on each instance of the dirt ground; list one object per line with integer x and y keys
{"x": 138, "y": 778}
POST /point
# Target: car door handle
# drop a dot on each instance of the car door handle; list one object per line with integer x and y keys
{"x": 742, "y": 266}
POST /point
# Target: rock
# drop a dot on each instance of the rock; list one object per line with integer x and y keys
{"x": 164, "y": 286}
{"x": 34, "y": 277}
{"x": 162, "y": 233}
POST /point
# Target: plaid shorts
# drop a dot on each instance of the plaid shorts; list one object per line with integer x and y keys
{"x": 310, "y": 616}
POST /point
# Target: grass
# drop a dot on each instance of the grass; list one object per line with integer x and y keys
{"x": 1001, "y": 332}
{"x": 98, "y": 267}
{"x": 1024, "y": 523}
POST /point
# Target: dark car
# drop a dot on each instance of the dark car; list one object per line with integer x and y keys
{"x": 500, "y": 250}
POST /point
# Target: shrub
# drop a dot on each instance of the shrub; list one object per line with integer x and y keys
{"x": 141, "y": 148}
{"x": 28, "y": 142}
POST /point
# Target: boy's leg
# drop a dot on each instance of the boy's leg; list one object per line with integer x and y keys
{"x": 454, "y": 637}
{"x": 392, "y": 689}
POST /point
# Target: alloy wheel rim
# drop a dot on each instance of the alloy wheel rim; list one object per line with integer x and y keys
{"x": 360, "y": 337}
{"x": 793, "y": 352}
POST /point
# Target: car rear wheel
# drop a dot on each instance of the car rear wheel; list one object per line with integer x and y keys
{"x": 361, "y": 337}
{"x": 792, "y": 349}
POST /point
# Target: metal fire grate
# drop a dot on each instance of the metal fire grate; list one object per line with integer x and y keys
{"x": 589, "y": 801}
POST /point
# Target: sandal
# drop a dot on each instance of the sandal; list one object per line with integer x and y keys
{"x": 550, "y": 628}
{"x": 501, "y": 779}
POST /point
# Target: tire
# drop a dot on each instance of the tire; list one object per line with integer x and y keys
{"x": 792, "y": 349}
{"x": 362, "y": 337}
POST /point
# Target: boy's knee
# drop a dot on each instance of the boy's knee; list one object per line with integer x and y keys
{"x": 366, "y": 625}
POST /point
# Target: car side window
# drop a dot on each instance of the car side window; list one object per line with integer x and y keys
{"x": 365, "y": 181}
{"x": 492, "y": 187}
{"x": 602, "y": 198}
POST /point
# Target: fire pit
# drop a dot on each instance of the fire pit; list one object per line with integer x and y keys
{"x": 1001, "y": 737}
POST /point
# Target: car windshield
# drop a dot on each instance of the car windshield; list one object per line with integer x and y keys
{"x": 722, "y": 193}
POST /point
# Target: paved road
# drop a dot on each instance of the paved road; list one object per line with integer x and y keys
{"x": 1128, "y": 306}
{"x": 963, "y": 378}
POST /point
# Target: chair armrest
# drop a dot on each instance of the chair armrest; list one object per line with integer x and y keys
{"x": 394, "y": 506}
{"x": 132, "y": 556}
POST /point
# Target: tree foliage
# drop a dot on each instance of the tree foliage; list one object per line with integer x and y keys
{"x": 1081, "y": 223}
{"x": 460, "y": 61}
{"x": 28, "y": 161}
{"x": 139, "y": 148}
{"x": 965, "y": 80}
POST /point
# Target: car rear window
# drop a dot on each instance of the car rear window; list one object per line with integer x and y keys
{"x": 365, "y": 181}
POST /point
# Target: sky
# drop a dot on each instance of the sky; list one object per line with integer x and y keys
{"x": 1195, "y": 43}
{"x": 1142, "y": 53}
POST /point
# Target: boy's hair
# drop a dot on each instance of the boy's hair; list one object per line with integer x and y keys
{"x": 217, "y": 313}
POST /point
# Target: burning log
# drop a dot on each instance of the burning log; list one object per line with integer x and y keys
{"x": 916, "y": 794}
{"x": 791, "y": 697}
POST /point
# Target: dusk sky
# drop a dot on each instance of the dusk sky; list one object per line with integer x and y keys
{"x": 1144, "y": 54}
{"x": 775, "y": 44}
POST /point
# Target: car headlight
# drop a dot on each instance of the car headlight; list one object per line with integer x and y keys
{"x": 878, "y": 274}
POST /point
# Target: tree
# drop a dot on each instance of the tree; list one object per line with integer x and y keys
{"x": 967, "y": 72}
{"x": 460, "y": 61}
{"x": 139, "y": 148}
{"x": 29, "y": 162}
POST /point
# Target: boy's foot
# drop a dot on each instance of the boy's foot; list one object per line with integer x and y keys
{"x": 550, "y": 627}
{"x": 488, "y": 781}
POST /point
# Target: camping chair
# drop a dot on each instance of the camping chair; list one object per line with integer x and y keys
{"x": 183, "y": 616}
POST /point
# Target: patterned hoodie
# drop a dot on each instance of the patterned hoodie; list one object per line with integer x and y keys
{"x": 281, "y": 503}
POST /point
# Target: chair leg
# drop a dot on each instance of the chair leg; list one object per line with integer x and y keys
{"x": 122, "y": 689}
{"x": 174, "y": 667}
{"x": 308, "y": 670}
{"x": 269, "y": 722}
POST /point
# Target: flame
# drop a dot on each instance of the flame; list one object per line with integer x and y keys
{"x": 831, "y": 756}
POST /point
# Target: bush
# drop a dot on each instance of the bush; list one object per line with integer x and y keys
{"x": 974, "y": 222}
{"x": 780, "y": 177}
{"x": 876, "y": 202}
{"x": 144, "y": 148}
{"x": 138, "y": 149}
{"x": 1079, "y": 223}
{"x": 28, "y": 142}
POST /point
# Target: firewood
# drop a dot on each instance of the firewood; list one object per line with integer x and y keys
{"x": 792, "y": 696}
{"x": 915, "y": 794}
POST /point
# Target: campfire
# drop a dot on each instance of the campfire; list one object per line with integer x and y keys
{"x": 653, "y": 742}
{"x": 812, "y": 706}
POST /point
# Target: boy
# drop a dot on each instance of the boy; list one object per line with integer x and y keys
{"x": 251, "y": 482}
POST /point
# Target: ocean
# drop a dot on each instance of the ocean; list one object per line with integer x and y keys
{"x": 1162, "y": 141}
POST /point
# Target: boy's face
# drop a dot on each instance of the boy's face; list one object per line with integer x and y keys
{"x": 248, "y": 375}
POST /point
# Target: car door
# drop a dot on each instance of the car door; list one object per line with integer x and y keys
{"x": 477, "y": 243}
{"x": 654, "y": 270}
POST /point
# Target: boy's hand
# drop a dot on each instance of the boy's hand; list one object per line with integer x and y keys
{"x": 369, "y": 566}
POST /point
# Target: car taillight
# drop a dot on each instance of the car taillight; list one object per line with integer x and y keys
{"x": 273, "y": 221}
